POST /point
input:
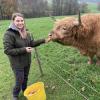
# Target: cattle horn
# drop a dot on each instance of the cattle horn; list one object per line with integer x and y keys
{"x": 79, "y": 18}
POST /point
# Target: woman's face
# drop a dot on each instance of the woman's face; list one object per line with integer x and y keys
{"x": 19, "y": 22}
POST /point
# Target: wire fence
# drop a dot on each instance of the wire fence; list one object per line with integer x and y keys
{"x": 78, "y": 91}
{"x": 62, "y": 78}
{"x": 68, "y": 72}
{"x": 84, "y": 96}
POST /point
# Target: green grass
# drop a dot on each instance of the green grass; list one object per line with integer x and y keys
{"x": 67, "y": 76}
{"x": 93, "y": 8}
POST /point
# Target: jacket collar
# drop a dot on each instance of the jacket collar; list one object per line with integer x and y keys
{"x": 13, "y": 27}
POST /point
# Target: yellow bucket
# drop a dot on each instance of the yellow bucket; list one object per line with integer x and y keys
{"x": 35, "y": 92}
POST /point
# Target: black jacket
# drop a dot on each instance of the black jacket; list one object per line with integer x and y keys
{"x": 14, "y": 47}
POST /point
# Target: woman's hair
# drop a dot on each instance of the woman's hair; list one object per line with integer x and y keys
{"x": 22, "y": 32}
{"x": 14, "y": 15}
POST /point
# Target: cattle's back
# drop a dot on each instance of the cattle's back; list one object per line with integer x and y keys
{"x": 92, "y": 22}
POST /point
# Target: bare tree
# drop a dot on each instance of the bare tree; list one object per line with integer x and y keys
{"x": 7, "y": 7}
{"x": 33, "y": 8}
{"x": 63, "y": 7}
{"x": 84, "y": 7}
{"x": 39, "y": 7}
{"x": 57, "y": 7}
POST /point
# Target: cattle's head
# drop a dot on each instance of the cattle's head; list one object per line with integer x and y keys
{"x": 65, "y": 28}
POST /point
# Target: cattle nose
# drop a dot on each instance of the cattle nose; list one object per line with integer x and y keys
{"x": 50, "y": 34}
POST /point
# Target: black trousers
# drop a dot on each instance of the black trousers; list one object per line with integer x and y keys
{"x": 21, "y": 78}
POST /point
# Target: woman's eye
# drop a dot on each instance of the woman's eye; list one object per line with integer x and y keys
{"x": 22, "y": 20}
{"x": 17, "y": 21}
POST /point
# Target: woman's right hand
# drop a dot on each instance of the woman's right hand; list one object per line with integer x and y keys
{"x": 48, "y": 39}
{"x": 29, "y": 49}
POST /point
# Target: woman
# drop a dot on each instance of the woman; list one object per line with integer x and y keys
{"x": 18, "y": 46}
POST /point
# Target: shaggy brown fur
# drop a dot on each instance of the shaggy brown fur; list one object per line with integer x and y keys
{"x": 85, "y": 37}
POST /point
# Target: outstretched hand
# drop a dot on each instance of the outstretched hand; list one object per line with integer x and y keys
{"x": 48, "y": 39}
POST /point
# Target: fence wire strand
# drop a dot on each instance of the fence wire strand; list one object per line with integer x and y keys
{"x": 66, "y": 80}
{"x": 69, "y": 83}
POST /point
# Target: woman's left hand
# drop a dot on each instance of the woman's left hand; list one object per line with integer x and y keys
{"x": 48, "y": 39}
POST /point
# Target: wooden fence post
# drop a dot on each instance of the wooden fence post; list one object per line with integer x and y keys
{"x": 38, "y": 60}
{"x": 37, "y": 57}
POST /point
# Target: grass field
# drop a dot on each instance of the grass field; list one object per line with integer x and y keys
{"x": 93, "y": 7}
{"x": 67, "y": 76}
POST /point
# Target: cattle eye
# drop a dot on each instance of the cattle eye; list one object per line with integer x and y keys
{"x": 64, "y": 28}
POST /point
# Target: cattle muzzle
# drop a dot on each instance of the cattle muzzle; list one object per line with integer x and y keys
{"x": 51, "y": 33}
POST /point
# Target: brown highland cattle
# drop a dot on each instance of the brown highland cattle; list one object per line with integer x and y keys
{"x": 82, "y": 33}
